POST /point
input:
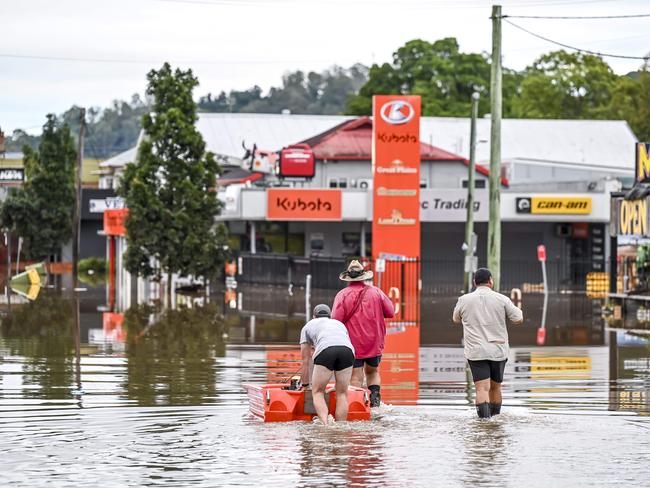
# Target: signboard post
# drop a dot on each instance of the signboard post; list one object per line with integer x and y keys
{"x": 396, "y": 232}
{"x": 541, "y": 257}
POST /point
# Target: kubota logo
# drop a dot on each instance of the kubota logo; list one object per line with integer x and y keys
{"x": 397, "y": 112}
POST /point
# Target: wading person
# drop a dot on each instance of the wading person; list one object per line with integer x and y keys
{"x": 483, "y": 314}
{"x": 362, "y": 308}
{"x": 328, "y": 342}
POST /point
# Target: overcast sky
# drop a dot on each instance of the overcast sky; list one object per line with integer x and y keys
{"x": 102, "y": 50}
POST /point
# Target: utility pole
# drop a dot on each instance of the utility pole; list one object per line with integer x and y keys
{"x": 76, "y": 219}
{"x": 494, "y": 224}
{"x": 470, "y": 237}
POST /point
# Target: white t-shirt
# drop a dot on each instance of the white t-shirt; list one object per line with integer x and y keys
{"x": 324, "y": 332}
{"x": 483, "y": 314}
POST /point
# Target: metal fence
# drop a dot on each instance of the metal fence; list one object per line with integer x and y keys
{"x": 438, "y": 276}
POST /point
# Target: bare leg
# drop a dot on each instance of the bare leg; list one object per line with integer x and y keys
{"x": 357, "y": 377}
{"x": 372, "y": 375}
{"x": 319, "y": 380}
{"x": 342, "y": 383}
{"x": 495, "y": 392}
{"x": 482, "y": 391}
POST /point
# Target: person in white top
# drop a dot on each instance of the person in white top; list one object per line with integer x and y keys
{"x": 327, "y": 340}
{"x": 483, "y": 314}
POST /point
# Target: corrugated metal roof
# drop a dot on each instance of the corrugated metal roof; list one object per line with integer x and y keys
{"x": 599, "y": 143}
{"x": 121, "y": 159}
{"x": 352, "y": 140}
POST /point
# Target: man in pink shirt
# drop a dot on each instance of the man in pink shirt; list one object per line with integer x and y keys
{"x": 363, "y": 308}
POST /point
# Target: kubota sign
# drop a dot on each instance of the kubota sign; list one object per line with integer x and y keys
{"x": 396, "y": 175}
{"x": 298, "y": 204}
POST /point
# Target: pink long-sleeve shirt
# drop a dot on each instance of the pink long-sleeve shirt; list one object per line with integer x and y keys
{"x": 367, "y": 327}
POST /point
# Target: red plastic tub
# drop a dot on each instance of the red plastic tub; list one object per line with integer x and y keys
{"x": 272, "y": 403}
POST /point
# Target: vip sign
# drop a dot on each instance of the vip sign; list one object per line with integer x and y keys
{"x": 642, "y": 162}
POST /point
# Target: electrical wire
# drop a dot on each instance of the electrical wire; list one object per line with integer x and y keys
{"x": 586, "y": 51}
{"x": 136, "y": 61}
{"x": 582, "y": 17}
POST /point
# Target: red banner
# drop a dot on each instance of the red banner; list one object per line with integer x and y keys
{"x": 396, "y": 176}
{"x": 114, "y": 221}
{"x": 298, "y": 204}
{"x": 396, "y": 237}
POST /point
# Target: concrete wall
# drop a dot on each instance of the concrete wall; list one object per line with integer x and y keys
{"x": 438, "y": 174}
{"x": 333, "y": 234}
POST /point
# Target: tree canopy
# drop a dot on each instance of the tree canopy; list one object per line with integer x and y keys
{"x": 444, "y": 76}
{"x": 41, "y": 211}
{"x": 302, "y": 93}
{"x": 170, "y": 189}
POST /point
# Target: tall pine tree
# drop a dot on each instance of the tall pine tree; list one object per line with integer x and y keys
{"x": 171, "y": 189}
{"x": 41, "y": 211}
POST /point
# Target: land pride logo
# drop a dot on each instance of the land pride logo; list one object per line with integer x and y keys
{"x": 633, "y": 217}
{"x": 554, "y": 205}
{"x": 642, "y": 162}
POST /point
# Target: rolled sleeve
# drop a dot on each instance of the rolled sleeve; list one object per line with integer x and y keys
{"x": 338, "y": 311}
{"x": 387, "y": 305}
{"x": 304, "y": 338}
{"x": 456, "y": 315}
{"x": 514, "y": 314}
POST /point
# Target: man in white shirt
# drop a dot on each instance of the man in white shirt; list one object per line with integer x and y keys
{"x": 483, "y": 314}
{"x": 328, "y": 342}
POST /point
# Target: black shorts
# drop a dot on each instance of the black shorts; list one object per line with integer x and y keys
{"x": 335, "y": 358}
{"x": 486, "y": 369}
{"x": 372, "y": 362}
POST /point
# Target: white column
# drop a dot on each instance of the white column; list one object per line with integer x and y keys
{"x": 363, "y": 239}
{"x": 253, "y": 238}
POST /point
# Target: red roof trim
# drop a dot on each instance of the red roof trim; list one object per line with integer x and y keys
{"x": 251, "y": 177}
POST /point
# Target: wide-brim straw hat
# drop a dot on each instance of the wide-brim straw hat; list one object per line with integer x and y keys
{"x": 355, "y": 272}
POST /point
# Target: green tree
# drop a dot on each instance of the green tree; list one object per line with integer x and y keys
{"x": 41, "y": 211}
{"x": 170, "y": 190}
{"x": 301, "y": 93}
{"x": 440, "y": 73}
{"x": 631, "y": 101}
{"x": 562, "y": 85}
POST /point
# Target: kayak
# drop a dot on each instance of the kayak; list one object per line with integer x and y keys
{"x": 275, "y": 402}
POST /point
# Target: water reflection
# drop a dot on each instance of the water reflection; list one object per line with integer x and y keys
{"x": 170, "y": 356}
{"x": 42, "y": 333}
{"x": 341, "y": 456}
{"x": 562, "y": 403}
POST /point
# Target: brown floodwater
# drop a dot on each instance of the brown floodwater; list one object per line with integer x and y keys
{"x": 148, "y": 398}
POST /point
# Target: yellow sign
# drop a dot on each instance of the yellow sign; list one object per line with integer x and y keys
{"x": 558, "y": 367}
{"x": 633, "y": 217}
{"x": 642, "y": 162}
{"x": 560, "y": 205}
{"x": 597, "y": 284}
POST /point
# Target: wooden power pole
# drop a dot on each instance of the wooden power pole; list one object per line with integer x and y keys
{"x": 76, "y": 236}
{"x": 470, "y": 237}
{"x": 494, "y": 224}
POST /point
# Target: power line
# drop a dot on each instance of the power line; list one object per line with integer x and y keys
{"x": 568, "y": 17}
{"x": 137, "y": 61}
{"x": 586, "y": 51}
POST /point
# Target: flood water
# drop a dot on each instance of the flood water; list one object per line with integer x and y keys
{"x": 147, "y": 398}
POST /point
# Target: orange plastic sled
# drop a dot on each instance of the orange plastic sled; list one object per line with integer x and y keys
{"x": 272, "y": 403}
